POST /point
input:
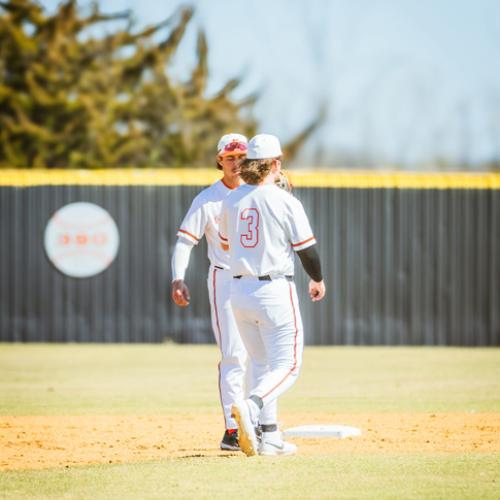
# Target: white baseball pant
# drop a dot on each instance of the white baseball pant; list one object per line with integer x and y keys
{"x": 233, "y": 354}
{"x": 268, "y": 318}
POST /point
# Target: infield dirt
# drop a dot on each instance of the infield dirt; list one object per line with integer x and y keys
{"x": 36, "y": 442}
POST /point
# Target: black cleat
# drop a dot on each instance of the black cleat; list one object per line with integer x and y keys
{"x": 230, "y": 441}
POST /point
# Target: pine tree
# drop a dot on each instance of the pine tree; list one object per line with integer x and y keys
{"x": 70, "y": 99}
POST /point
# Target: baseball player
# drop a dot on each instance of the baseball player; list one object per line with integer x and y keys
{"x": 262, "y": 226}
{"x": 203, "y": 219}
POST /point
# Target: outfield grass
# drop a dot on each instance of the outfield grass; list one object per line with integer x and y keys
{"x": 173, "y": 379}
{"x": 76, "y": 379}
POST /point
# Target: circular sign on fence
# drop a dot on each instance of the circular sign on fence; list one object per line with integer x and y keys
{"x": 81, "y": 239}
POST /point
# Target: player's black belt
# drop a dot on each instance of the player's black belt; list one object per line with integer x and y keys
{"x": 218, "y": 267}
{"x": 266, "y": 277}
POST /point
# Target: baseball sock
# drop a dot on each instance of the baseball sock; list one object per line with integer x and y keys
{"x": 254, "y": 409}
{"x": 269, "y": 427}
{"x": 258, "y": 401}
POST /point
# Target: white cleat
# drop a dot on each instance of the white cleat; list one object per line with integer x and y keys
{"x": 272, "y": 447}
{"x": 246, "y": 428}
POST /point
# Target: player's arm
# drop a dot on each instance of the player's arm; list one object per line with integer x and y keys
{"x": 304, "y": 244}
{"x": 180, "y": 261}
{"x": 189, "y": 235}
{"x": 311, "y": 263}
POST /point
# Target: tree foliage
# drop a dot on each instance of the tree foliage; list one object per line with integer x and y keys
{"x": 71, "y": 99}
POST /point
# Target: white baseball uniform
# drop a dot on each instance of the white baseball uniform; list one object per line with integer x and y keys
{"x": 263, "y": 226}
{"x": 203, "y": 219}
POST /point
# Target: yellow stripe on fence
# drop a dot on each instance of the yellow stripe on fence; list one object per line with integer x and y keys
{"x": 354, "y": 179}
{"x": 109, "y": 177}
{"x": 400, "y": 180}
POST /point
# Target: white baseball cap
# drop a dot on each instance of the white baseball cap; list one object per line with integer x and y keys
{"x": 264, "y": 146}
{"x": 229, "y": 142}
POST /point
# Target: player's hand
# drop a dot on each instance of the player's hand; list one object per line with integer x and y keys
{"x": 316, "y": 290}
{"x": 180, "y": 293}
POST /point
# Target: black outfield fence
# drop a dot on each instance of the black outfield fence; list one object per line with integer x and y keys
{"x": 408, "y": 258}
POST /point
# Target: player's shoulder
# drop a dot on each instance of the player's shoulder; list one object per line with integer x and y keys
{"x": 283, "y": 195}
{"x": 289, "y": 204}
{"x": 209, "y": 193}
{"x": 237, "y": 193}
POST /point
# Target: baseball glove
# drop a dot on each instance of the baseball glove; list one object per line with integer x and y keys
{"x": 283, "y": 182}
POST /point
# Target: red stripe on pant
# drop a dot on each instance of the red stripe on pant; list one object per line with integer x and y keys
{"x": 294, "y": 346}
{"x": 214, "y": 282}
{"x": 219, "y": 343}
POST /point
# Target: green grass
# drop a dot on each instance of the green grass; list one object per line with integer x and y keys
{"x": 397, "y": 476}
{"x": 139, "y": 379}
{"x": 123, "y": 379}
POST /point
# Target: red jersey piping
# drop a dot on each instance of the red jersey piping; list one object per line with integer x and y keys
{"x": 189, "y": 234}
{"x": 302, "y": 242}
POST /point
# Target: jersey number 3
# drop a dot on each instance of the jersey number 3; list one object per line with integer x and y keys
{"x": 250, "y": 238}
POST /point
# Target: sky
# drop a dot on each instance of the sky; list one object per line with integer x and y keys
{"x": 404, "y": 83}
